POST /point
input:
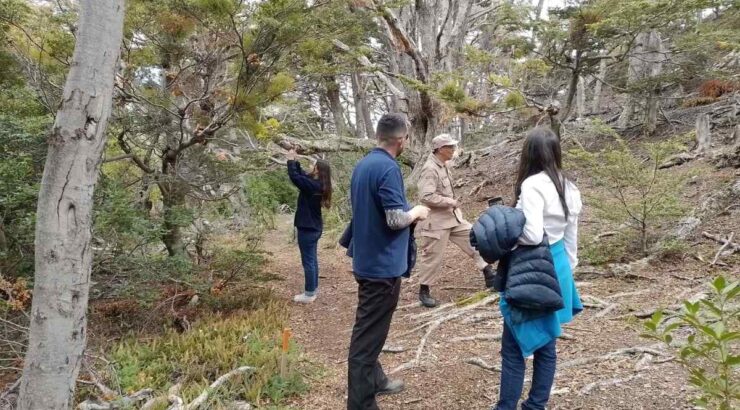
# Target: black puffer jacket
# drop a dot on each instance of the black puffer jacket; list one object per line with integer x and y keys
{"x": 496, "y": 232}
{"x": 526, "y": 275}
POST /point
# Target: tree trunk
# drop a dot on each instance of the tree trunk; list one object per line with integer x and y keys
{"x": 58, "y": 327}
{"x": 3, "y": 238}
{"x": 651, "y": 112}
{"x": 703, "y": 134}
{"x": 538, "y": 10}
{"x": 359, "y": 120}
{"x": 654, "y": 62}
{"x": 572, "y": 87}
{"x": 581, "y": 98}
{"x": 173, "y": 201}
{"x": 173, "y": 191}
{"x": 601, "y": 76}
{"x": 364, "y": 122}
{"x": 635, "y": 72}
{"x": 335, "y": 105}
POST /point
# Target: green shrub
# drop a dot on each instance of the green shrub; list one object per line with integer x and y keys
{"x": 22, "y": 154}
{"x": 630, "y": 187}
{"x": 712, "y": 352}
{"x": 609, "y": 249}
{"x": 266, "y": 191}
{"x": 119, "y": 224}
{"x": 673, "y": 248}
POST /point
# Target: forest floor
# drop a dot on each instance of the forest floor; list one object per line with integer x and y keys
{"x": 442, "y": 379}
{"x": 603, "y": 362}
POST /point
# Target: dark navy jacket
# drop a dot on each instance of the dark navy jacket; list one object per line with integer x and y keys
{"x": 346, "y": 242}
{"x": 375, "y": 187}
{"x": 526, "y": 275}
{"x": 308, "y": 210}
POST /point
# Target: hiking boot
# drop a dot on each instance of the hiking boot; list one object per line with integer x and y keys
{"x": 392, "y": 386}
{"x": 426, "y": 298}
{"x": 304, "y": 298}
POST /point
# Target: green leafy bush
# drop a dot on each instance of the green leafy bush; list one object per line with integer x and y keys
{"x": 711, "y": 353}
{"x": 119, "y": 224}
{"x": 22, "y": 154}
{"x": 604, "y": 250}
{"x": 266, "y": 191}
{"x": 631, "y": 189}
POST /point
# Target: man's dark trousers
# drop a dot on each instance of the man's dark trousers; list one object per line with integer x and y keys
{"x": 377, "y": 300}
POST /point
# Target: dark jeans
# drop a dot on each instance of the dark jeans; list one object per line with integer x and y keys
{"x": 377, "y": 300}
{"x": 308, "y": 242}
{"x": 512, "y": 374}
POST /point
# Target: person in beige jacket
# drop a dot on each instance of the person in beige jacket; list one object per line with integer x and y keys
{"x": 445, "y": 222}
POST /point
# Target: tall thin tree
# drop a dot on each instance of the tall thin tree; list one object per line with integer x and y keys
{"x": 58, "y": 326}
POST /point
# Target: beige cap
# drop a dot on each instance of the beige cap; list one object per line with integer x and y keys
{"x": 442, "y": 140}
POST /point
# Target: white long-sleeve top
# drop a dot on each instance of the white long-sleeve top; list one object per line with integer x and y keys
{"x": 540, "y": 203}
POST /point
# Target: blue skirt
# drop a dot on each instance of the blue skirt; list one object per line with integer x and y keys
{"x": 536, "y": 333}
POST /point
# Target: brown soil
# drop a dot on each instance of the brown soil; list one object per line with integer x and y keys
{"x": 443, "y": 380}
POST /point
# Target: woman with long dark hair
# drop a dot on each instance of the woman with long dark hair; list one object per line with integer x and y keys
{"x": 314, "y": 192}
{"x": 551, "y": 204}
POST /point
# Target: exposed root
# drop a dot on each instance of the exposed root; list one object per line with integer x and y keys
{"x": 433, "y": 324}
{"x": 594, "y": 302}
{"x": 625, "y": 294}
{"x": 124, "y": 402}
{"x": 477, "y": 361}
{"x": 628, "y": 351}
{"x": 607, "y": 310}
{"x": 393, "y": 349}
{"x": 724, "y": 246}
{"x": 481, "y": 336}
{"x": 605, "y": 383}
{"x": 417, "y": 358}
{"x": 216, "y": 384}
{"x": 482, "y": 316}
{"x": 431, "y": 313}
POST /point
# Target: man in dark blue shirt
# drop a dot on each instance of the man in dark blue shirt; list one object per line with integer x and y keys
{"x": 381, "y": 217}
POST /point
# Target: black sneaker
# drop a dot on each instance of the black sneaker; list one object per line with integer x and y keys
{"x": 392, "y": 386}
{"x": 426, "y": 298}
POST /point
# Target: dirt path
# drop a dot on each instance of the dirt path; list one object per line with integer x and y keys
{"x": 443, "y": 379}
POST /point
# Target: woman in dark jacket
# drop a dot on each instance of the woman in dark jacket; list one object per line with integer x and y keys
{"x": 551, "y": 205}
{"x": 314, "y": 192}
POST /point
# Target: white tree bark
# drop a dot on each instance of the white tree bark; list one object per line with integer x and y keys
{"x": 635, "y": 72}
{"x": 703, "y": 134}
{"x": 654, "y": 66}
{"x": 581, "y": 98}
{"x": 363, "y": 120}
{"x": 601, "y": 76}
{"x": 58, "y": 326}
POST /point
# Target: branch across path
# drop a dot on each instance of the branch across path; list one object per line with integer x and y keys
{"x": 448, "y": 356}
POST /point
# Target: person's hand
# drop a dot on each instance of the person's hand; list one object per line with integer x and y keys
{"x": 454, "y": 203}
{"x": 291, "y": 155}
{"x": 419, "y": 212}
